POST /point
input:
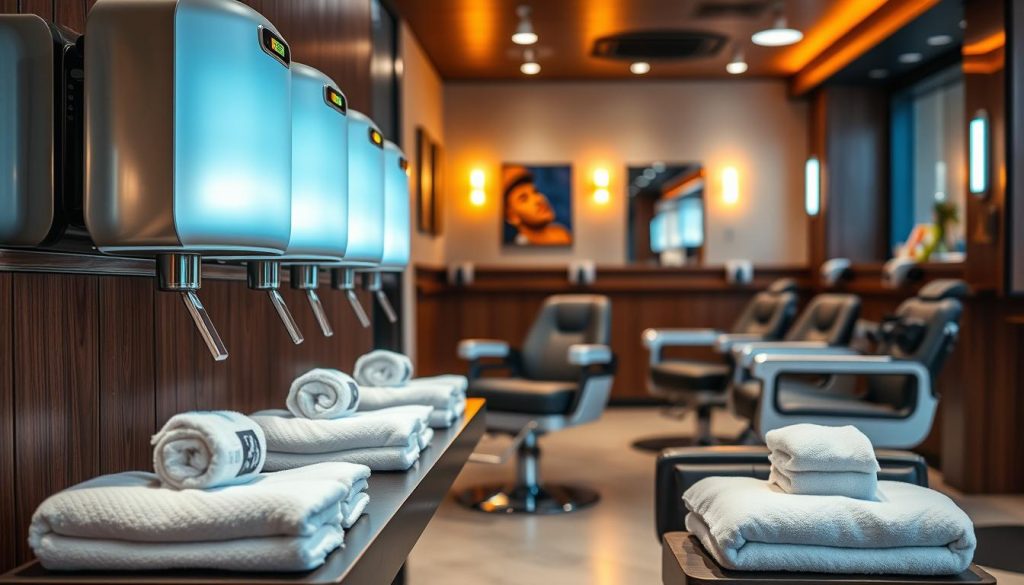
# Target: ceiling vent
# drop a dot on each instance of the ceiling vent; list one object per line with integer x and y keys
{"x": 659, "y": 45}
{"x": 732, "y": 10}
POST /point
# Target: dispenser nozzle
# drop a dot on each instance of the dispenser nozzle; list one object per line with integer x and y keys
{"x": 265, "y": 275}
{"x": 344, "y": 279}
{"x": 181, "y": 273}
{"x": 375, "y": 284}
{"x": 307, "y": 277}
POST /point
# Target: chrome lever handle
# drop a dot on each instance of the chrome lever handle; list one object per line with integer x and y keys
{"x": 205, "y": 325}
{"x": 357, "y": 307}
{"x": 319, "y": 313}
{"x": 385, "y": 305}
{"x": 286, "y": 316}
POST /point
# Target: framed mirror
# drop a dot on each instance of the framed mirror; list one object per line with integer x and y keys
{"x": 666, "y": 223}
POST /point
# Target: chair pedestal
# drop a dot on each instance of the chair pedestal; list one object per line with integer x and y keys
{"x": 703, "y": 438}
{"x": 527, "y": 495}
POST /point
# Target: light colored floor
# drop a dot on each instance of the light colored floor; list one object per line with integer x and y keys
{"x": 612, "y": 543}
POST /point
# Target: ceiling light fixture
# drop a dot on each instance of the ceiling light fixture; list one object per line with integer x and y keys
{"x": 779, "y": 35}
{"x": 530, "y": 65}
{"x": 524, "y": 34}
{"x": 640, "y": 67}
{"x": 738, "y": 65}
{"x": 878, "y": 73}
{"x": 939, "y": 40}
{"x": 910, "y": 58}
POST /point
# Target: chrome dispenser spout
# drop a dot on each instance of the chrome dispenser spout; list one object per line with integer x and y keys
{"x": 307, "y": 277}
{"x": 181, "y": 273}
{"x": 344, "y": 279}
{"x": 375, "y": 284}
{"x": 265, "y": 275}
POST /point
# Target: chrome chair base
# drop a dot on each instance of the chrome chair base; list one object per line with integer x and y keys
{"x": 522, "y": 499}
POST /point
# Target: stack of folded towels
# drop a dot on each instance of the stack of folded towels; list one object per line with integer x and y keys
{"x": 823, "y": 510}
{"x": 386, "y": 380}
{"x": 322, "y": 424}
{"x": 208, "y": 506}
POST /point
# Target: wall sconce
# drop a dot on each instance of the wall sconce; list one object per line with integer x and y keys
{"x": 477, "y": 181}
{"x": 601, "y": 182}
{"x": 978, "y": 152}
{"x": 812, "y": 186}
{"x": 730, "y": 185}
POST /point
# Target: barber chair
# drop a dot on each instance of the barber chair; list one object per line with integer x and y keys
{"x": 827, "y": 321}
{"x": 561, "y": 378}
{"x": 895, "y": 402}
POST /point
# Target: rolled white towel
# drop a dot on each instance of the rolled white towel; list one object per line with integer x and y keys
{"x": 209, "y": 449}
{"x": 387, "y": 428}
{"x": 807, "y": 447}
{"x": 749, "y": 524}
{"x": 323, "y": 393}
{"x": 270, "y": 553}
{"x": 383, "y": 368}
{"x": 133, "y": 507}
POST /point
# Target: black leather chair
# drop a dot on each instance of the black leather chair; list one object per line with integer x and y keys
{"x": 896, "y": 402}
{"x": 561, "y": 378}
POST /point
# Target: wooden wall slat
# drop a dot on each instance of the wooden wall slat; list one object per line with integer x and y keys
{"x": 71, "y": 13}
{"x": 8, "y": 533}
{"x": 43, "y": 8}
{"x": 56, "y": 388}
{"x": 126, "y": 373}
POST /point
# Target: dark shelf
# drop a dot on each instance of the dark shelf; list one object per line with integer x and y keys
{"x": 401, "y": 505}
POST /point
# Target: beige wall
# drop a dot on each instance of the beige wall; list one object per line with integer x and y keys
{"x": 422, "y": 106}
{"x": 750, "y": 125}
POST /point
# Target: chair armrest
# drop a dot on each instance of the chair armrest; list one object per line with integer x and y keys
{"x": 588, "y": 354}
{"x": 744, "y": 354}
{"x": 474, "y": 349}
{"x": 769, "y": 366}
{"x": 725, "y": 342}
{"x": 657, "y": 339}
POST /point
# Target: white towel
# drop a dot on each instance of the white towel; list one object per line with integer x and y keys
{"x": 807, "y": 447}
{"x": 439, "y": 396}
{"x": 353, "y": 508}
{"x": 751, "y": 525}
{"x": 376, "y": 458}
{"x": 133, "y": 507}
{"x": 271, "y": 553}
{"x": 208, "y": 449}
{"x": 863, "y": 486}
{"x": 382, "y": 368}
{"x": 460, "y": 383}
{"x": 387, "y": 428}
{"x": 323, "y": 393}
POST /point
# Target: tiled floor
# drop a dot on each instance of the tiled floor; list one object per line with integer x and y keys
{"x": 611, "y": 544}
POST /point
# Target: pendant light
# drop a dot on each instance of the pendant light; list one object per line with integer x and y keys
{"x": 780, "y": 34}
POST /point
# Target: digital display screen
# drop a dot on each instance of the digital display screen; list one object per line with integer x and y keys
{"x": 275, "y": 46}
{"x": 335, "y": 99}
{"x": 376, "y": 138}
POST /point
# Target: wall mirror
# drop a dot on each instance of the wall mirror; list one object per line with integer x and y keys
{"x": 666, "y": 213}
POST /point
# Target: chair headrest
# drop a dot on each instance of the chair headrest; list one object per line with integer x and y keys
{"x": 783, "y": 285}
{"x": 946, "y": 288}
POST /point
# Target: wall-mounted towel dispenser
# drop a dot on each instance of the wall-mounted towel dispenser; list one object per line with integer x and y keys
{"x": 188, "y": 137}
{"x": 365, "y": 207}
{"x": 396, "y": 225}
{"x": 40, "y": 130}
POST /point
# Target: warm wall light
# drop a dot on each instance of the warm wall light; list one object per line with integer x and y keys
{"x": 730, "y": 185}
{"x": 602, "y": 196}
{"x": 602, "y": 178}
{"x": 477, "y": 180}
{"x": 978, "y": 146}
{"x": 812, "y": 186}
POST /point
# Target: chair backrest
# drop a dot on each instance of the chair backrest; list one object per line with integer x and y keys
{"x": 770, "y": 312}
{"x": 923, "y": 329}
{"x": 562, "y": 321}
{"x": 829, "y": 317}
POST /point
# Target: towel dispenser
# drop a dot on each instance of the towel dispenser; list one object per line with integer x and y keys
{"x": 188, "y": 138}
{"x": 396, "y": 225}
{"x": 41, "y": 120}
{"x": 365, "y": 207}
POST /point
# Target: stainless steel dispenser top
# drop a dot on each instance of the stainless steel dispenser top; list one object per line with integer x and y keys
{"x": 31, "y": 173}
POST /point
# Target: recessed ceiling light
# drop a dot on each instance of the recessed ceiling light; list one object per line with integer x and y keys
{"x": 640, "y": 67}
{"x": 910, "y": 58}
{"x": 530, "y": 68}
{"x": 738, "y": 64}
{"x": 939, "y": 40}
{"x": 524, "y": 34}
{"x": 779, "y": 35}
{"x": 878, "y": 73}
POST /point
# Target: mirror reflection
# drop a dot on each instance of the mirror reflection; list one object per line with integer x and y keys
{"x": 666, "y": 213}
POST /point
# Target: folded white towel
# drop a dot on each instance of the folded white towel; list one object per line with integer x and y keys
{"x": 749, "y": 524}
{"x": 271, "y": 553}
{"x": 382, "y": 368}
{"x": 460, "y": 383}
{"x": 399, "y": 458}
{"x": 323, "y": 393}
{"x": 133, "y": 507}
{"x": 440, "y": 396}
{"x": 386, "y": 428}
{"x": 807, "y": 447}
{"x": 208, "y": 449}
{"x": 353, "y": 507}
{"x": 863, "y": 486}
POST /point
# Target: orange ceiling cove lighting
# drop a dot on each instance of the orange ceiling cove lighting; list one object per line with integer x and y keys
{"x": 838, "y": 21}
{"x": 985, "y": 45}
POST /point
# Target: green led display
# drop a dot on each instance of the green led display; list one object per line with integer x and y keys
{"x": 278, "y": 47}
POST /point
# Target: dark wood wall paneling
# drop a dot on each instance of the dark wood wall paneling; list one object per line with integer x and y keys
{"x": 91, "y": 366}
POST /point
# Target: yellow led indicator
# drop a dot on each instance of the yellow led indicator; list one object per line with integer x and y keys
{"x": 337, "y": 100}
{"x": 277, "y": 46}
{"x": 377, "y": 138}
